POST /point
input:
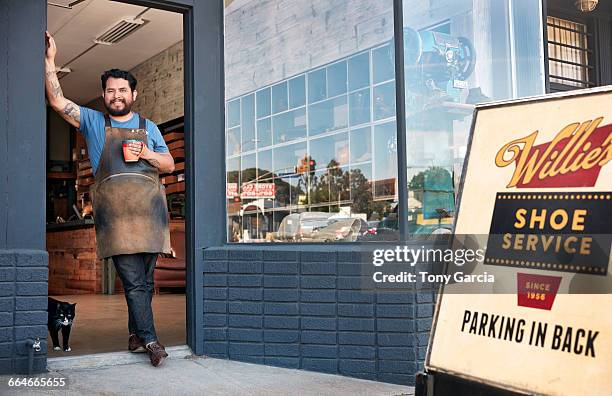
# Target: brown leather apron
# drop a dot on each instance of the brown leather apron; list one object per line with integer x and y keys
{"x": 129, "y": 201}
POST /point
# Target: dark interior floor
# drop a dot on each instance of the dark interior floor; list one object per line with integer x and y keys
{"x": 100, "y": 323}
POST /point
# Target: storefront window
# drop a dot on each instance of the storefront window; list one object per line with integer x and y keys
{"x": 458, "y": 54}
{"x": 310, "y": 131}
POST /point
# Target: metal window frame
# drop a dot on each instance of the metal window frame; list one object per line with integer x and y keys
{"x": 593, "y": 43}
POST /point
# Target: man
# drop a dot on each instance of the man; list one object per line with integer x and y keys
{"x": 129, "y": 202}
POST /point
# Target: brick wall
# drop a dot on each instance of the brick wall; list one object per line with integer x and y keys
{"x": 23, "y": 308}
{"x": 73, "y": 265}
{"x": 160, "y": 85}
{"x": 307, "y": 310}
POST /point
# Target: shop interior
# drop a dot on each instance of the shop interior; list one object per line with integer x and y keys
{"x": 93, "y": 36}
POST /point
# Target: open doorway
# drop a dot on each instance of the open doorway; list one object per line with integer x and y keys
{"x": 93, "y": 36}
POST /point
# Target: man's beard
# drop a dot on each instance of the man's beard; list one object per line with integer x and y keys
{"x": 127, "y": 107}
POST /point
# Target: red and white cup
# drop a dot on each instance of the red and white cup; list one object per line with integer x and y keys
{"x": 128, "y": 156}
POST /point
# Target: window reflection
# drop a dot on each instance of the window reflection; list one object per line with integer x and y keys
{"x": 328, "y": 115}
{"x": 297, "y": 92}
{"x": 384, "y": 63}
{"x": 361, "y": 145}
{"x": 359, "y": 105}
{"x": 289, "y": 126}
{"x": 317, "y": 85}
{"x": 323, "y": 141}
{"x": 280, "y": 100}
{"x": 336, "y": 79}
{"x": 248, "y": 122}
{"x": 263, "y": 102}
{"x": 359, "y": 71}
{"x": 384, "y": 101}
{"x": 455, "y": 56}
{"x": 330, "y": 151}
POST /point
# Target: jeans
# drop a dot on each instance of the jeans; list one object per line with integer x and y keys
{"x": 136, "y": 274}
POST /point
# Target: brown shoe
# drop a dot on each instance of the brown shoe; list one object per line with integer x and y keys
{"x": 157, "y": 353}
{"x": 135, "y": 344}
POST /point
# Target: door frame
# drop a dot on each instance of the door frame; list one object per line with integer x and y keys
{"x": 204, "y": 151}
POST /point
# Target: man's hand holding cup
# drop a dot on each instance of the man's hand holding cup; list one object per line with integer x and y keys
{"x": 133, "y": 150}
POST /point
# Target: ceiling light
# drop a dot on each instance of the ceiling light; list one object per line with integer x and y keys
{"x": 120, "y": 30}
{"x": 586, "y": 5}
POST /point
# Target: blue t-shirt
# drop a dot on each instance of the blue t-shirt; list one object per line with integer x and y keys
{"x": 92, "y": 127}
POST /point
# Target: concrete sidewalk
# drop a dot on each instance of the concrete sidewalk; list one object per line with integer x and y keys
{"x": 184, "y": 374}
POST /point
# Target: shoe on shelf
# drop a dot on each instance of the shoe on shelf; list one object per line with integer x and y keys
{"x": 157, "y": 353}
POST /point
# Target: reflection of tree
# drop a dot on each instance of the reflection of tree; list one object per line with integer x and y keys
{"x": 286, "y": 193}
{"x": 433, "y": 187}
{"x": 338, "y": 184}
{"x": 433, "y": 178}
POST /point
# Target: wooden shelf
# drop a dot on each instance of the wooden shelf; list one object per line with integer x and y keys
{"x": 83, "y": 164}
{"x": 61, "y": 175}
{"x": 177, "y": 144}
{"x": 174, "y": 136}
{"x": 175, "y": 188}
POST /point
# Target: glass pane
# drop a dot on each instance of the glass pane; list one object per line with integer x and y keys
{"x": 330, "y": 151}
{"x": 456, "y": 55}
{"x": 327, "y": 116}
{"x": 263, "y": 103}
{"x": 233, "y": 113}
{"x": 314, "y": 90}
{"x": 361, "y": 145}
{"x": 384, "y": 101}
{"x": 232, "y": 141}
{"x": 233, "y": 170}
{"x": 289, "y": 126}
{"x": 264, "y": 165}
{"x": 290, "y": 190}
{"x": 385, "y": 159}
{"x": 359, "y": 105}
{"x": 279, "y": 98}
{"x": 336, "y": 79}
{"x": 339, "y": 186}
{"x": 359, "y": 71}
{"x": 249, "y": 169}
{"x": 264, "y": 132}
{"x": 317, "y": 89}
{"x": 361, "y": 189}
{"x": 286, "y": 158}
{"x": 297, "y": 92}
{"x": 383, "y": 62}
{"x": 248, "y": 122}
{"x": 320, "y": 187}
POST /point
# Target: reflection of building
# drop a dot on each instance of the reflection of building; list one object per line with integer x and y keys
{"x": 339, "y": 117}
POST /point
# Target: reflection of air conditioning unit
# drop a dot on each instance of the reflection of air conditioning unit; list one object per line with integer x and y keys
{"x": 120, "y": 30}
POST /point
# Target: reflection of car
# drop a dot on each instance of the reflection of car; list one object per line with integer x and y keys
{"x": 382, "y": 234}
{"x": 298, "y": 226}
{"x": 341, "y": 230}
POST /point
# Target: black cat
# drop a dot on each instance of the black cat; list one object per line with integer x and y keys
{"x": 61, "y": 315}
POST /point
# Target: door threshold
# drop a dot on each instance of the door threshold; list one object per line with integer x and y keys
{"x": 97, "y": 360}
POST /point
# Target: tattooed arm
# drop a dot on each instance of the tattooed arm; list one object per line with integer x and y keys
{"x": 67, "y": 109}
{"x": 162, "y": 161}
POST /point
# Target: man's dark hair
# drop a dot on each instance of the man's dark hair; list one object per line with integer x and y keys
{"x": 116, "y": 73}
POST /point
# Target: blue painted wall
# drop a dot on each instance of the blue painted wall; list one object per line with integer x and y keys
{"x": 307, "y": 310}
{"x": 23, "y": 261}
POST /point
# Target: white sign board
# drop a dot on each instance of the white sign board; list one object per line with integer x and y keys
{"x": 537, "y": 196}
